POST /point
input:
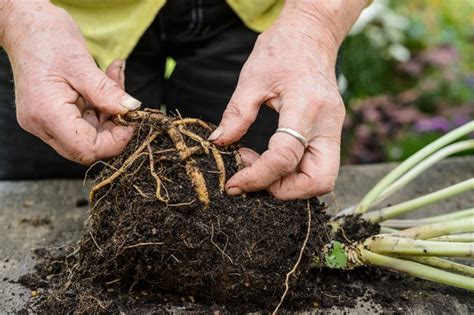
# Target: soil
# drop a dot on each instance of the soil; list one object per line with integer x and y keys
{"x": 189, "y": 244}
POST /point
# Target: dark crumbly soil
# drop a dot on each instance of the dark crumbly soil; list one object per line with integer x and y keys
{"x": 235, "y": 252}
{"x": 139, "y": 254}
{"x": 318, "y": 290}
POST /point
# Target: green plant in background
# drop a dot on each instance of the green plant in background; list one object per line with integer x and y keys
{"x": 407, "y": 77}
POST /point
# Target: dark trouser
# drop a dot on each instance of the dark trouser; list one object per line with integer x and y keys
{"x": 209, "y": 43}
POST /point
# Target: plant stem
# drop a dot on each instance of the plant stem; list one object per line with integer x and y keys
{"x": 439, "y": 229}
{"x": 424, "y": 165}
{"x": 462, "y": 237}
{"x": 401, "y": 169}
{"x": 388, "y": 230}
{"x": 444, "y": 264}
{"x": 407, "y": 206}
{"x": 406, "y": 223}
{"x": 386, "y": 244}
{"x": 418, "y": 270}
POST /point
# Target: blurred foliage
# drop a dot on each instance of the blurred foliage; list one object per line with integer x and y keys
{"x": 407, "y": 76}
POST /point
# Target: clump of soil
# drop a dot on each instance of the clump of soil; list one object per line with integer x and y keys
{"x": 35, "y": 222}
{"x": 161, "y": 223}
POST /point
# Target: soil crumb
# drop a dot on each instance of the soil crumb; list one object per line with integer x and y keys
{"x": 35, "y": 222}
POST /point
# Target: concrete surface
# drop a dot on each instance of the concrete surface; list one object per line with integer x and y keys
{"x": 59, "y": 201}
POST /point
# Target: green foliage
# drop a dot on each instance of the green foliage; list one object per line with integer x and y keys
{"x": 336, "y": 258}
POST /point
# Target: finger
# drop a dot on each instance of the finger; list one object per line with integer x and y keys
{"x": 317, "y": 174}
{"x": 116, "y": 71}
{"x": 284, "y": 152}
{"x": 90, "y": 116}
{"x": 248, "y": 156}
{"x": 282, "y": 157}
{"x": 101, "y": 91}
{"x": 239, "y": 114}
{"x": 76, "y": 139}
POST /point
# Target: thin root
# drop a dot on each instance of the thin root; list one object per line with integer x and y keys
{"x": 186, "y": 121}
{"x": 224, "y": 254}
{"x": 204, "y": 143}
{"x": 293, "y": 270}
{"x": 155, "y": 176}
{"x": 143, "y": 244}
{"x": 128, "y": 162}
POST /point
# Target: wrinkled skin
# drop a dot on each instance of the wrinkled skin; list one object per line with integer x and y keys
{"x": 63, "y": 98}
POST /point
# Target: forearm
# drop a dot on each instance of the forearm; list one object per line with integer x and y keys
{"x": 14, "y": 18}
{"x": 5, "y": 9}
{"x": 326, "y": 22}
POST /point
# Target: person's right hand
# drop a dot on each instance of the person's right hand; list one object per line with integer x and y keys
{"x": 61, "y": 95}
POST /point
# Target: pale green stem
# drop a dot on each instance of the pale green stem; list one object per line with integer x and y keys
{"x": 418, "y": 270}
{"x": 388, "y": 230}
{"x": 386, "y": 244}
{"x": 419, "y": 156}
{"x": 408, "y": 206}
{"x": 406, "y": 223}
{"x": 424, "y": 232}
{"x": 461, "y": 237}
{"x": 424, "y": 165}
{"x": 443, "y": 264}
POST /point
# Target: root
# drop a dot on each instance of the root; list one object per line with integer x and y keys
{"x": 155, "y": 176}
{"x": 186, "y": 121}
{"x": 204, "y": 143}
{"x": 143, "y": 244}
{"x": 192, "y": 170}
{"x": 293, "y": 270}
{"x": 220, "y": 166}
{"x": 128, "y": 162}
{"x": 192, "y": 151}
{"x": 224, "y": 254}
{"x": 238, "y": 160}
{"x": 141, "y": 193}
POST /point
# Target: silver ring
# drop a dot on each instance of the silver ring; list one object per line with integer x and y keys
{"x": 295, "y": 134}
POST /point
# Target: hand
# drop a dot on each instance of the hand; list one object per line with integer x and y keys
{"x": 292, "y": 70}
{"x": 61, "y": 95}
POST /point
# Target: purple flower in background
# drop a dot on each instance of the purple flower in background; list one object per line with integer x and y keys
{"x": 432, "y": 124}
{"x": 459, "y": 120}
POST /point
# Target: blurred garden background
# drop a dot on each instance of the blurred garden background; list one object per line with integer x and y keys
{"x": 407, "y": 76}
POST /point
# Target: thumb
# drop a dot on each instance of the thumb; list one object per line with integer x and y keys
{"x": 102, "y": 92}
{"x": 116, "y": 71}
{"x": 239, "y": 115}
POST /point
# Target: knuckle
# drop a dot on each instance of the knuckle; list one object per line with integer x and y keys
{"x": 105, "y": 86}
{"x": 233, "y": 111}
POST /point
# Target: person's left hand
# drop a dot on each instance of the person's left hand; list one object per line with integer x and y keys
{"x": 292, "y": 70}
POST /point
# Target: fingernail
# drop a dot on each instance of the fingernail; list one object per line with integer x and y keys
{"x": 129, "y": 102}
{"x": 234, "y": 191}
{"x": 216, "y": 134}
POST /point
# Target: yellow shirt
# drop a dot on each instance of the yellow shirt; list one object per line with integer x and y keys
{"x": 112, "y": 28}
